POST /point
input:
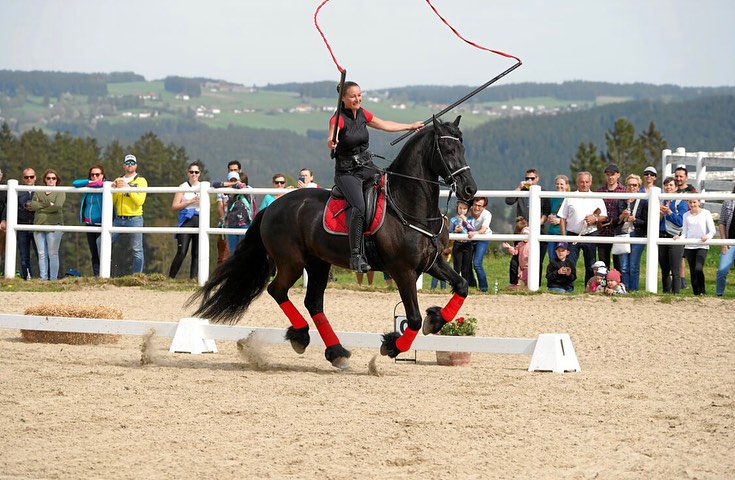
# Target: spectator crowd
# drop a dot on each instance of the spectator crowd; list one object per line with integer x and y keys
{"x": 607, "y": 268}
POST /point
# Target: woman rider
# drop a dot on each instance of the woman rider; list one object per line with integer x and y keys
{"x": 353, "y": 165}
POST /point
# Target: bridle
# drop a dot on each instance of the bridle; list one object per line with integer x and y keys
{"x": 448, "y": 180}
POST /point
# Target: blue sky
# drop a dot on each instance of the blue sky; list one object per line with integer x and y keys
{"x": 382, "y": 43}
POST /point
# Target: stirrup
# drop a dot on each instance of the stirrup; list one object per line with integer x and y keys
{"x": 359, "y": 264}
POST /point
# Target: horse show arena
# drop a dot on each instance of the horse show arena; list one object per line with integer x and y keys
{"x": 655, "y": 397}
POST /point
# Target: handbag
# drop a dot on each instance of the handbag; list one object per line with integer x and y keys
{"x": 621, "y": 248}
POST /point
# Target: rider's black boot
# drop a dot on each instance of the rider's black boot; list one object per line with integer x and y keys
{"x": 358, "y": 262}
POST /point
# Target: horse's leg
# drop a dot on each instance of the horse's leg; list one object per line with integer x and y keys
{"x": 286, "y": 276}
{"x": 318, "y": 271}
{"x": 436, "y": 317}
{"x": 393, "y": 343}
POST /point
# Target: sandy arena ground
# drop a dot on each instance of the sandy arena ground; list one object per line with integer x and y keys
{"x": 655, "y": 398}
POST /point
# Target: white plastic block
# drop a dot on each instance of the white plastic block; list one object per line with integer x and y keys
{"x": 189, "y": 337}
{"x": 554, "y": 352}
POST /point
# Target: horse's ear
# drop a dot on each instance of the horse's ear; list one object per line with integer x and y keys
{"x": 436, "y": 124}
{"x": 456, "y": 120}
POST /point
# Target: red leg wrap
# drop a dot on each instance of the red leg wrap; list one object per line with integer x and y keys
{"x": 453, "y": 306}
{"x": 294, "y": 316}
{"x": 325, "y": 329}
{"x": 404, "y": 341}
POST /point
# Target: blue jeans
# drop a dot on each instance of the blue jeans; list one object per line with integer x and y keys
{"x": 233, "y": 240}
{"x": 136, "y": 239}
{"x": 589, "y": 250}
{"x": 25, "y": 244}
{"x": 47, "y": 244}
{"x": 435, "y": 280}
{"x": 551, "y": 251}
{"x": 477, "y": 255}
{"x": 636, "y": 253}
{"x": 561, "y": 290}
{"x": 723, "y": 269}
{"x": 624, "y": 263}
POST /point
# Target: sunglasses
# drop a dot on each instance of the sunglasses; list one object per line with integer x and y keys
{"x": 128, "y": 163}
{"x": 28, "y": 177}
{"x": 50, "y": 178}
{"x": 95, "y": 174}
{"x": 530, "y": 178}
{"x": 279, "y": 182}
{"x": 649, "y": 174}
{"x": 194, "y": 172}
{"x": 633, "y": 185}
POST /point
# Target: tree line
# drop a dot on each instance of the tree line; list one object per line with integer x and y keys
{"x": 55, "y": 84}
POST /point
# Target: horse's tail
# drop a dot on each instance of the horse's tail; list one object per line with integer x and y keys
{"x": 233, "y": 286}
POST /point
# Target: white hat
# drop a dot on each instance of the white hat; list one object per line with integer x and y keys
{"x": 233, "y": 176}
{"x": 601, "y": 271}
{"x": 598, "y": 264}
{"x": 651, "y": 169}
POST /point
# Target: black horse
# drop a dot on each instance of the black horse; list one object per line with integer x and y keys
{"x": 291, "y": 234}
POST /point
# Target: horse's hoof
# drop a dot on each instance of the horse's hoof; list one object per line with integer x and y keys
{"x": 297, "y": 347}
{"x": 388, "y": 347}
{"x": 299, "y": 338}
{"x": 341, "y": 363}
{"x": 337, "y": 355}
{"x": 433, "y": 321}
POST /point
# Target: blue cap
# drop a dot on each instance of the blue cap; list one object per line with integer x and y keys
{"x": 563, "y": 245}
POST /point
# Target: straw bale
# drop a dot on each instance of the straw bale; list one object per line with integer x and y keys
{"x": 71, "y": 311}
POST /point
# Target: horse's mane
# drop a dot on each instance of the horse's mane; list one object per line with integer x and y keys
{"x": 419, "y": 141}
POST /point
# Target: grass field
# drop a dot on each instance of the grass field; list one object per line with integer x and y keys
{"x": 258, "y": 109}
{"x": 496, "y": 268}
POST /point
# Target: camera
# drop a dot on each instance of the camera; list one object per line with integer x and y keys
{"x": 302, "y": 178}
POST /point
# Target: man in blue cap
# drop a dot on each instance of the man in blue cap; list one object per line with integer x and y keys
{"x": 561, "y": 272}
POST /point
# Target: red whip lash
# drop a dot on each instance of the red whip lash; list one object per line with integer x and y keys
{"x": 456, "y": 32}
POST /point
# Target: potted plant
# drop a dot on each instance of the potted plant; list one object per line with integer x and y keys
{"x": 460, "y": 327}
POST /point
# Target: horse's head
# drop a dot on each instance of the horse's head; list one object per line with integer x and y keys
{"x": 448, "y": 160}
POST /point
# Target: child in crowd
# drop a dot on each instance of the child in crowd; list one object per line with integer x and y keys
{"x": 697, "y": 223}
{"x": 561, "y": 273}
{"x": 521, "y": 249}
{"x": 598, "y": 281}
{"x": 462, "y": 249}
{"x": 614, "y": 286}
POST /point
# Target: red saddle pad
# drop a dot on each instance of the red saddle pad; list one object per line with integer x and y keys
{"x": 335, "y": 221}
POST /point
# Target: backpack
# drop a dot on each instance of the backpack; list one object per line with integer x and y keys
{"x": 239, "y": 211}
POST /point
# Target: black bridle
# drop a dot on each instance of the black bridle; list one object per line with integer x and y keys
{"x": 448, "y": 180}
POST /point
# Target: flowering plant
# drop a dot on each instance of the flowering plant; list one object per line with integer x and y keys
{"x": 460, "y": 327}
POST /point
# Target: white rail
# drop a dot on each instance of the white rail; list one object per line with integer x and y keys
{"x": 534, "y": 194}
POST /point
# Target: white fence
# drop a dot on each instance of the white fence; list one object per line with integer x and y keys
{"x": 535, "y": 194}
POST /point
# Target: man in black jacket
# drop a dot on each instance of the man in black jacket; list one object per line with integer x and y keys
{"x": 25, "y": 217}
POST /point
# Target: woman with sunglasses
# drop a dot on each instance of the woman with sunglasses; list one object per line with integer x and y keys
{"x": 187, "y": 204}
{"x": 633, "y": 220}
{"x": 48, "y": 206}
{"x": 279, "y": 181}
{"x": 90, "y": 211}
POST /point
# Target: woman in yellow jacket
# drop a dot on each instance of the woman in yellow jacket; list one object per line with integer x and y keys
{"x": 48, "y": 207}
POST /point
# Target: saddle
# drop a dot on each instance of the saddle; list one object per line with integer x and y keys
{"x": 335, "y": 219}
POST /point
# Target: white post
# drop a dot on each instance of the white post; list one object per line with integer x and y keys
{"x": 534, "y": 247}
{"x": 204, "y": 219}
{"x": 665, "y": 170}
{"x": 11, "y": 220}
{"x": 701, "y": 172}
{"x": 654, "y": 208}
{"x": 106, "y": 235}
